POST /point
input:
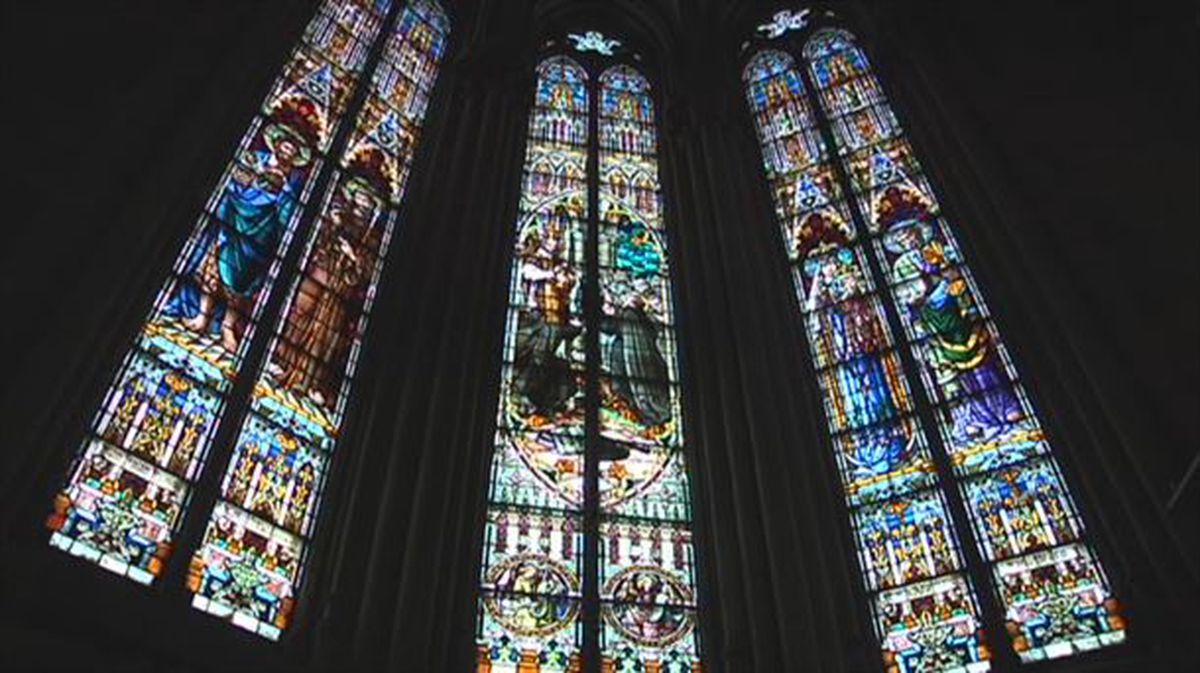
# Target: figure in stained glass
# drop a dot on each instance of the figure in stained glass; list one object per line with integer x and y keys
{"x": 632, "y": 355}
{"x": 251, "y": 560}
{"x": 1052, "y": 589}
{"x": 543, "y": 375}
{"x": 926, "y": 614}
{"x": 321, "y": 322}
{"x": 850, "y": 329}
{"x": 229, "y": 263}
{"x": 964, "y": 358}
{"x": 530, "y": 617}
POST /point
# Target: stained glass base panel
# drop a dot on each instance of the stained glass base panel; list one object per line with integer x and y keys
{"x": 246, "y": 571}
{"x": 1058, "y": 603}
{"x": 528, "y": 633}
{"x": 931, "y": 626}
{"x": 118, "y": 511}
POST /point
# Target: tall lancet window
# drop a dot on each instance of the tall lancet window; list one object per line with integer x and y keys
{"x": 587, "y": 552}
{"x": 124, "y": 502}
{"x": 960, "y": 455}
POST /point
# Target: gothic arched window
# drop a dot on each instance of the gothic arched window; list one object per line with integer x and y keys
{"x": 959, "y": 456}
{"x": 127, "y": 494}
{"x": 588, "y": 550}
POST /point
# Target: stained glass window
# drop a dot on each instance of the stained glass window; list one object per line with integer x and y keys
{"x": 132, "y": 479}
{"x": 253, "y": 552}
{"x": 921, "y": 598}
{"x": 867, "y": 240}
{"x": 589, "y": 437}
{"x": 129, "y": 487}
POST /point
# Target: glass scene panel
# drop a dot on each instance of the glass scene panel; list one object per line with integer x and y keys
{"x": 274, "y": 479}
{"x": 1051, "y": 585}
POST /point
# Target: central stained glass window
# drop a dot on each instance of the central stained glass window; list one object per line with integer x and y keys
{"x": 588, "y": 545}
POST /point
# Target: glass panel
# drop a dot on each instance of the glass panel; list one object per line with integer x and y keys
{"x": 647, "y": 562}
{"x": 931, "y": 626}
{"x": 520, "y": 633}
{"x": 647, "y": 582}
{"x": 274, "y": 475}
{"x": 531, "y": 575}
{"x": 246, "y": 571}
{"x": 649, "y": 637}
{"x": 648, "y": 484}
{"x": 159, "y": 414}
{"x": 1020, "y": 509}
{"x": 1058, "y": 603}
{"x": 884, "y": 461}
{"x": 905, "y": 540}
{"x": 118, "y": 511}
{"x": 978, "y": 439}
{"x": 538, "y": 459}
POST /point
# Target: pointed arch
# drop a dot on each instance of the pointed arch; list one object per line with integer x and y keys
{"x": 124, "y": 502}
{"x": 531, "y": 576}
{"x": 128, "y": 490}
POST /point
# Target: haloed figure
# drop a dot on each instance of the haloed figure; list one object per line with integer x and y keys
{"x": 231, "y": 261}
{"x": 639, "y": 370}
{"x": 319, "y": 328}
{"x": 966, "y": 360}
{"x": 544, "y": 377}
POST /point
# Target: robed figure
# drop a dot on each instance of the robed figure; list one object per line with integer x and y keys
{"x": 231, "y": 259}
{"x": 964, "y": 356}
{"x": 321, "y": 321}
{"x": 542, "y": 375}
{"x": 639, "y": 379}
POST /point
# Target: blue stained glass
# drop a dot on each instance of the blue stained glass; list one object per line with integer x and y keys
{"x": 906, "y": 540}
{"x": 882, "y": 462}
